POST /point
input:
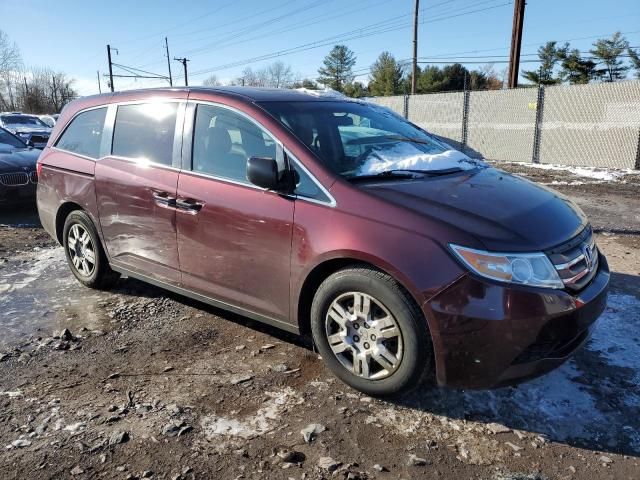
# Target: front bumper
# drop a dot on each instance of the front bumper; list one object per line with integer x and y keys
{"x": 488, "y": 335}
{"x": 19, "y": 194}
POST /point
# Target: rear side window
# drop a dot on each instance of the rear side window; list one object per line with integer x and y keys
{"x": 145, "y": 131}
{"x": 84, "y": 134}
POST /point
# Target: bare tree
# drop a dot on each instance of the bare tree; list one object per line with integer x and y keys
{"x": 211, "y": 81}
{"x": 279, "y": 75}
{"x": 10, "y": 65}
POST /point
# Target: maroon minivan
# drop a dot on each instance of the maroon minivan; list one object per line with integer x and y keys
{"x": 326, "y": 216}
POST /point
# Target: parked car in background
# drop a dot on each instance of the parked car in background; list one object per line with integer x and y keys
{"x": 331, "y": 217}
{"x": 18, "y": 176}
{"x": 49, "y": 120}
{"x": 28, "y": 127}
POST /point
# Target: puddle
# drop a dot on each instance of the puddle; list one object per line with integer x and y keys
{"x": 39, "y": 295}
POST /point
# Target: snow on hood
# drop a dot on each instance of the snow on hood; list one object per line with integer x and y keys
{"x": 406, "y": 156}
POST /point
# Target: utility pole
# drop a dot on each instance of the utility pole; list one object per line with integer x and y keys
{"x": 99, "y": 86}
{"x": 414, "y": 69}
{"x": 110, "y": 67}
{"x": 183, "y": 61}
{"x": 166, "y": 46}
{"x": 516, "y": 42}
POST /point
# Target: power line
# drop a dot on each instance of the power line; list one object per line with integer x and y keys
{"x": 350, "y": 35}
{"x": 386, "y": 23}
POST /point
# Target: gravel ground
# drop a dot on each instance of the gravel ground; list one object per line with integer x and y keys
{"x": 139, "y": 383}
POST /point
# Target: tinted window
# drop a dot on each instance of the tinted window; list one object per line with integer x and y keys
{"x": 84, "y": 133}
{"x": 145, "y": 131}
{"x": 224, "y": 140}
{"x": 7, "y": 139}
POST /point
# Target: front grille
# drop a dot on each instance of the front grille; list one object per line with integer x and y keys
{"x": 14, "y": 179}
{"x": 33, "y": 177}
{"x": 576, "y": 260}
{"x": 39, "y": 139}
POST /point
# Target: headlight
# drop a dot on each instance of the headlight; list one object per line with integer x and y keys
{"x": 533, "y": 269}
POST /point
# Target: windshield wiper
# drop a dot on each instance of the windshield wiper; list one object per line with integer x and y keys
{"x": 404, "y": 173}
{"x": 402, "y": 138}
{"x": 385, "y": 175}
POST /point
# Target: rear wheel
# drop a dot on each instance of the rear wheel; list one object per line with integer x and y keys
{"x": 369, "y": 331}
{"x": 84, "y": 252}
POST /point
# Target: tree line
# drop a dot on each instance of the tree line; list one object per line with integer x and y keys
{"x": 30, "y": 89}
{"x": 605, "y": 62}
{"x": 610, "y": 60}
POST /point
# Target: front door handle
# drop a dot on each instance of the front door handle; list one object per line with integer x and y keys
{"x": 189, "y": 205}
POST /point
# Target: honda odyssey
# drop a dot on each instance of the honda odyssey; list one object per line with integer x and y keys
{"x": 400, "y": 256}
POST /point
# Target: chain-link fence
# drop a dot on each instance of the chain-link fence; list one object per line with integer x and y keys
{"x": 592, "y": 125}
{"x": 440, "y": 114}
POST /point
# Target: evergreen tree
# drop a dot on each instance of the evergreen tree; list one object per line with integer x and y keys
{"x": 549, "y": 54}
{"x": 386, "y": 76}
{"x": 577, "y": 70}
{"x": 431, "y": 80}
{"x": 608, "y": 51}
{"x": 355, "y": 90}
{"x": 338, "y": 68}
{"x": 634, "y": 56}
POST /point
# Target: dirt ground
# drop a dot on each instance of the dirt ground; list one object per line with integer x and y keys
{"x": 146, "y": 384}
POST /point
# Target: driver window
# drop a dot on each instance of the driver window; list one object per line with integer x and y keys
{"x": 223, "y": 141}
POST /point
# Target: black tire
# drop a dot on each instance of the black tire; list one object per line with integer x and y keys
{"x": 416, "y": 359}
{"x": 99, "y": 276}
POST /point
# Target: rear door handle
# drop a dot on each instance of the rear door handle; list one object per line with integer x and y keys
{"x": 164, "y": 199}
{"x": 189, "y": 205}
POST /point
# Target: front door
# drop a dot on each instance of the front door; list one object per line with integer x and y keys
{"x": 234, "y": 239}
{"x": 136, "y": 189}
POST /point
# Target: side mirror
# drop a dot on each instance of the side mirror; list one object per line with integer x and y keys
{"x": 263, "y": 172}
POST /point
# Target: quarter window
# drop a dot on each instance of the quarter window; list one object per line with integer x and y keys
{"x": 84, "y": 134}
{"x": 224, "y": 140}
{"x": 306, "y": 187}
{"x": 146, "y": 131}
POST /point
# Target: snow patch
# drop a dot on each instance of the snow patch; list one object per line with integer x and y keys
{"x": 403, "y": 156}
{"x": 255, "y": 425}
{"x": 15, "y": 394}
{"x": 595, "y": 173}
{"x": 43, "y": 261}
{"x": 324, "y": 92}
{"x": 616, "y": 337}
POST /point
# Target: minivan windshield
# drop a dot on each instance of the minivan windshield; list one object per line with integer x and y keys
{"x": 22, "y": 120}
{"x": 358, "y": 139}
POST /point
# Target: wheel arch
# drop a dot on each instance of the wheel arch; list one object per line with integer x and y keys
{"x": 327, "y": 267}
{"x": 61, "y": 215}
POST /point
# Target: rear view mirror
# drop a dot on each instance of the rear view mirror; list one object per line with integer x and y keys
{"x": 263, "y": 172}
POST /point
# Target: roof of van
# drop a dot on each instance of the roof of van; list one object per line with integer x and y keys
{"x": 255, "y": 94}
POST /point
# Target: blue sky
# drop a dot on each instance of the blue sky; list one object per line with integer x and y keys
{"x": 71, "y": 35}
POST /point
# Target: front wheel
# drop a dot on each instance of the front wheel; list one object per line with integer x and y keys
{"x": 84, "y": 252}
{"x": 369, "y": 331}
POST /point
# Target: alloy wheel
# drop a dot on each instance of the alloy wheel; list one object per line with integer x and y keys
{"x": 364, "y": 336}
{"x": 81, "y": 250}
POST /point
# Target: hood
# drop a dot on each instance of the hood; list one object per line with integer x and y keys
{"x": 15, "y": 159}
{"x": 503, "y": 211}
